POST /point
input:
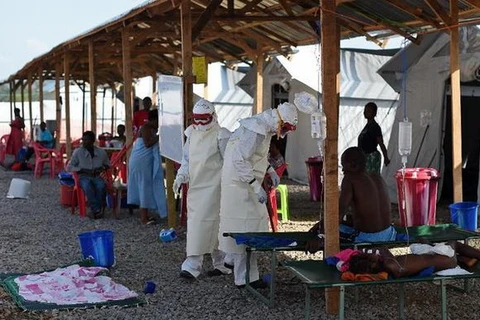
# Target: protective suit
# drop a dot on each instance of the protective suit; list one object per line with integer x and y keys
{"x": 201, "y": 168}
{"x": 242, "y": 205}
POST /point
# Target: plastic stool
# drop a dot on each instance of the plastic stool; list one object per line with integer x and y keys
{"x": 283, "y": 209}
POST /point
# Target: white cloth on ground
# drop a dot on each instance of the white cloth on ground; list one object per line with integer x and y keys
{"x": 71, "y": 285}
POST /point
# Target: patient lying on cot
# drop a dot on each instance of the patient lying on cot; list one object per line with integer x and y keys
{"x": 437, "y": 258}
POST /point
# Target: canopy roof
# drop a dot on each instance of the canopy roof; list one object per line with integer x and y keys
{"x": 230, "y": 31}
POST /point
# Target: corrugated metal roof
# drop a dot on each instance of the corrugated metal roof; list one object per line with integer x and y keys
{"x": 235, "y": 34}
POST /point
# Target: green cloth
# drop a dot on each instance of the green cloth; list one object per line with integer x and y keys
{"x": 7, "y": 280}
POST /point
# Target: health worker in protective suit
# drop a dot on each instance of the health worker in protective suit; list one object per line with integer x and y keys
{"x": 242, "y": 204}
{"x": 201, "y": 168}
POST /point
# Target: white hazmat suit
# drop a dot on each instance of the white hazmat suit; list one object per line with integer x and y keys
{"x": 242, "y": 205}
{"x": 201, "y": 168}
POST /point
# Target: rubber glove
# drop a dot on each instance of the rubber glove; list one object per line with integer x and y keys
{"x": 177, "y": 184}
{"x": 261, "y": 194}
{"x": 274, "y": 176}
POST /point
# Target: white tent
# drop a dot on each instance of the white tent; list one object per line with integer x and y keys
{"x": 426, "y": 68}
{"x": 359, "y": 84}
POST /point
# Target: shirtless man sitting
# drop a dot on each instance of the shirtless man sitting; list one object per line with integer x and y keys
{"x": 412, "y": 264}
{"x": 367, "y": 195}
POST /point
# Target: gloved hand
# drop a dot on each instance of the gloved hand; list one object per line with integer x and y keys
{"x": 177, "y": 184}
{"x": 261, "y": 194}
{"x": 274, "y": 176}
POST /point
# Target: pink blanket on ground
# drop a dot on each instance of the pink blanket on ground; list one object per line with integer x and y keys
{"x": 71, "y": 285}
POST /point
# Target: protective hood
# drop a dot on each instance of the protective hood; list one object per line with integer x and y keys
{"x": 203, "y": 116}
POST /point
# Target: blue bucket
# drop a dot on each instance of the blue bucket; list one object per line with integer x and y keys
{"x": 464, "y": 214}
{"x": 99, "y": 246}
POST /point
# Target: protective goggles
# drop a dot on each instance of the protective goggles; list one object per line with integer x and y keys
{"x": 284, "y": 127}
{"x": 202, "y": 118}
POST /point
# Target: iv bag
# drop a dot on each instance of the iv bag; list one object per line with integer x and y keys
{"x": 306, "y": 102}
{"x": 319, "y": 125}
{"x": 404, "y": 139}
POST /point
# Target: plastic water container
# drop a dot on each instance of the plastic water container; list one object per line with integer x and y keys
{"x": 19, "y": 188}
{"x": 167, "y": 235}
{"x": 98, "y": 245}
{"x": 465, "y": 215}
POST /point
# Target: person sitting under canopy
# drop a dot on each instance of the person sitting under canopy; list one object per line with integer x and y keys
{"x": 371, "y": 221}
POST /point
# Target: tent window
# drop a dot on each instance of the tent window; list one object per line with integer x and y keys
{"x": 279, "y": 95}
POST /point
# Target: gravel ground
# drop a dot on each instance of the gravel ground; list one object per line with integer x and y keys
{"x": 39, "y": 233}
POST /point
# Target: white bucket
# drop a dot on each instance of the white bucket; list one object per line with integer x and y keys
{"x": 19, "y": 188}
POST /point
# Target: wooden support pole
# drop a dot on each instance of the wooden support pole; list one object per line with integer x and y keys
{"x": 330, "y": 62}
{"x": 66, "y": 68}
{"x": 187, "y": 65}
{"x": 14, "y": 97}
{"x": 23, "y": 98}
{"x": 58, "y": 103}
{"x": 154, "y": 92}
{"x": 29, "y": 84}
{"x": 11, "y": 99}
{"x": 456, "y": 105}
{"x": 127, "y": 85}
{"x": 259, "y": 87}
{"x": 93, "y": 87}
{"x": 113, "y": 127}
{"x": 40, "y": 94}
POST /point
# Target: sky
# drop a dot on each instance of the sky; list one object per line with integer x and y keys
{"x": 30, "y": 28}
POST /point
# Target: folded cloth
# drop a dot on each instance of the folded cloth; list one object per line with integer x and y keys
{"x": 350, "y": 276}
{"x": 439, "y": 248}
{"x": 457, "y": 271}
{"x": 264, "y": 241}
{"x": 341, "y": 259}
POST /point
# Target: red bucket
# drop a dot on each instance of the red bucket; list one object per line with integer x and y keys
{"x": 417, "y": 196}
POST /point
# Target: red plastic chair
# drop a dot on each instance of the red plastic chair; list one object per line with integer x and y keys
{"x": 272, "y": 199}
{"x": 43, "y": 155}
{"x": 78, "y": 196}
{"x": 3, "y": 147}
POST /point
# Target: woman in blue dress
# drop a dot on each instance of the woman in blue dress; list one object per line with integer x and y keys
{"x": 145, "y": 173}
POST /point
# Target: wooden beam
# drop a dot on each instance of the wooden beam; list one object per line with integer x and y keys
{"x": 58, "y": 104}
{"x": 248, "y": 7}
{"x": 93, "y": 86}
{"x": 40, "y": 94}
{"x": 381, "y": 22}
{"x": 29, "y": 81}
{"x": 259, "y": 88}
{"x": 416, "y": 12}
{"x": 435, "y": 6}
{"x": 474, "y": 3}
{"x": 330, "y": 62}
{"x": 127, "y": 85}
{"x": 66, "y": 82}
{"x": 456, "y": 105}
{"x": 204, "y": 18}
{"x": 357, "y": 29}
